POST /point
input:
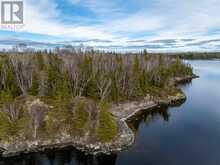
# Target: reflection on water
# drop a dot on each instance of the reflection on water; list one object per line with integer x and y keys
{"x": 148, "y": 117}
{"x": 67, "y": 156}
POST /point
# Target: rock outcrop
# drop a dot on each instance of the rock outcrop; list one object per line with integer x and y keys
{"x": 87, "y": 142}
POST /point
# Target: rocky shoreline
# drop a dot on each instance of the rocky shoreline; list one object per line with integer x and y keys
{"x": 125, "y": 138}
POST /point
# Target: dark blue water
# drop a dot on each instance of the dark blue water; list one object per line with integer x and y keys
{"x": 192, "y": 133}
{"x": 185, "y": 135}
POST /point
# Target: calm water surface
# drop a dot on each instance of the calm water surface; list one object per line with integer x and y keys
{"x": 189, "y": 134}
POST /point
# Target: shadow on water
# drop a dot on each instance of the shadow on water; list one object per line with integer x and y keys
{"x": 148, "y": 117}
{"x": 68, "y": 156}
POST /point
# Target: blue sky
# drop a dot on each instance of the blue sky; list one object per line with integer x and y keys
{"x": 158, "y": 25}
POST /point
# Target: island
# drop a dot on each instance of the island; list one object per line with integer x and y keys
{"x": 52, "y": 101}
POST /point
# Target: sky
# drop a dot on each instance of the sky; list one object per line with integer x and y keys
{"x": 155, "y": 25}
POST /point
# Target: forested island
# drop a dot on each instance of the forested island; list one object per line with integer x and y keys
{"x": 198, "y": 55}
{"x": 50, "y": 100}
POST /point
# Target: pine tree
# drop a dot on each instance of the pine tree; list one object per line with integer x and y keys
{"x": 40, "y": 60}
{"x": 145, "y": 52}
{"x": 136, "y": 78}
{"x": 35, "y": 85}
{"x": 62, "y": 87}
{"x": 6, "y": 96}
{"x": 86, "y": 76}
{"x": 10, "y": 81}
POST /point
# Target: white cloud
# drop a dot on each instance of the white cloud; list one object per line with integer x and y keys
{"x": 100, "y": 7}
{"x": 138, "y": 22}
{"x": 190, "y": 17}
{"x": 43, "y": 17}
{"x": 169, "y": 19}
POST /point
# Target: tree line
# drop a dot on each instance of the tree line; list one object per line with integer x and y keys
{"x": 104, "y": 77}
{"x": 198, "y": 56}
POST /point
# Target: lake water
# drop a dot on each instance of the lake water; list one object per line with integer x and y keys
{"x": 189, "y": 134}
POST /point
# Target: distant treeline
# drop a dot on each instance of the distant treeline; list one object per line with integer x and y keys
{"x": 198, "y": 56}
{"x": 100, "y": 76}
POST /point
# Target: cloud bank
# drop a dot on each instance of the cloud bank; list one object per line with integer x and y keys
{"x": 155, "y": 24}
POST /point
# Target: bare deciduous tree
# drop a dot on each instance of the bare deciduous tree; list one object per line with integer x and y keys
{"x": 37, "y": 111}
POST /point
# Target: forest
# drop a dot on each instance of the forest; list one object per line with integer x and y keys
{"x": 43, "y": 94}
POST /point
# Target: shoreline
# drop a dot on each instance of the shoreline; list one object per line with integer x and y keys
{"x": 125, "y": 138}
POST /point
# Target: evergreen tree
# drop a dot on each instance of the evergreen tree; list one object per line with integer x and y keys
{"x": 35, "y": 85}
{"x": 10, "y": 81}
{"x": 137, "y": 78}
{"x": 145, "y": 52}
{"x": 40, "y": 60}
